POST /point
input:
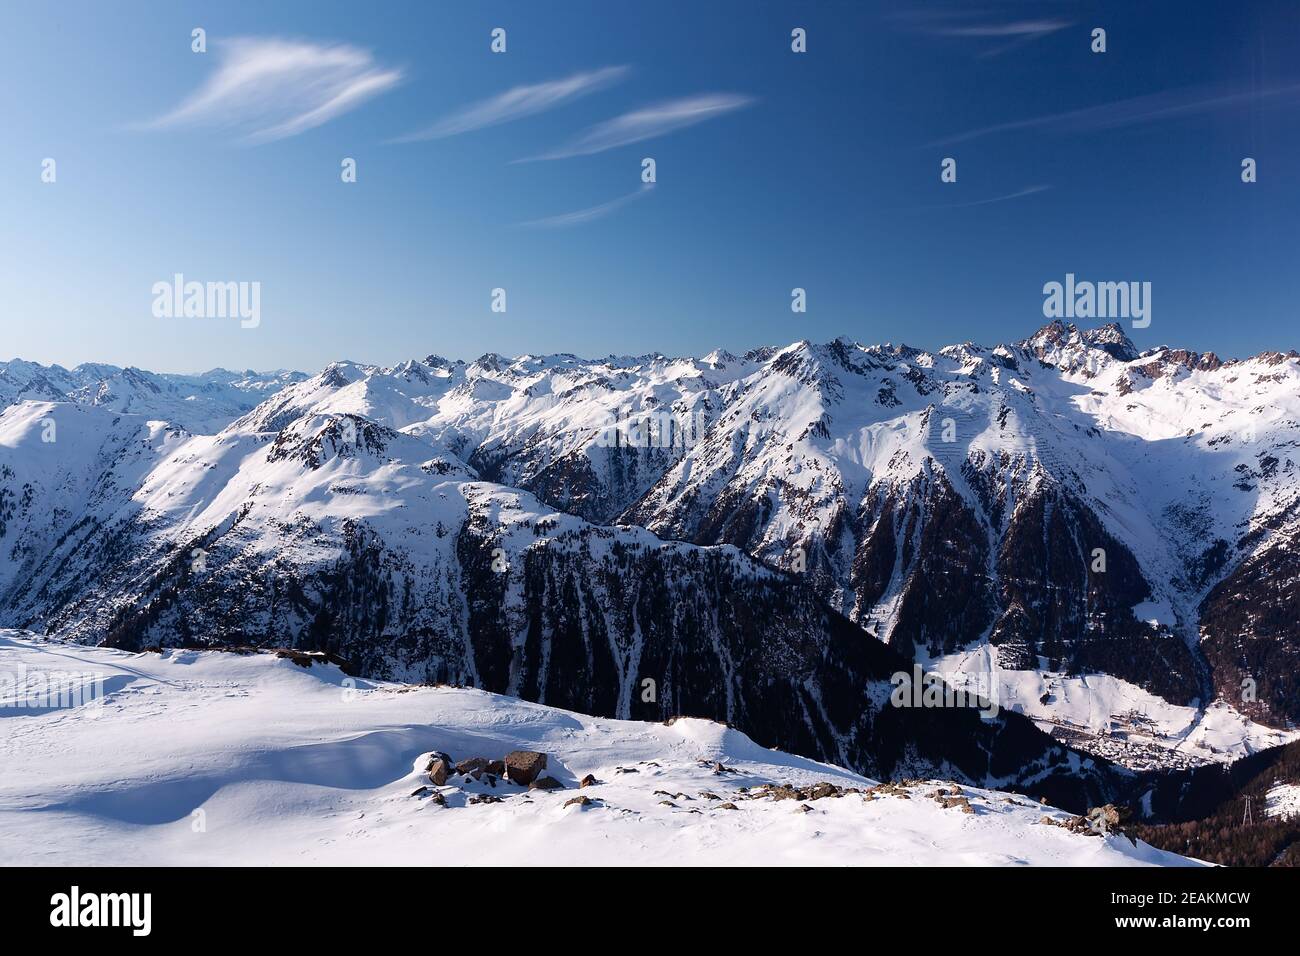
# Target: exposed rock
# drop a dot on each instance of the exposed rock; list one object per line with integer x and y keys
{"x": 588, "y": 781}
{"x": 961, "y": 803}
{"x": 1077, "y": 824}
{"x": 302, "y": 658}
{"x": 1099, "y": 821}
{"x": 888, "y": 789}
{"x": 1109, "y": 815}
{"x": 546, "y": 783}
{"x": 472, "y": 765}
{"x": 439, "y": 771}
{"x": 784, "y": 791}
{"x": 523, "y": 766}
{"x": 437, "y": 755}
{"x": 1107, "y": 819}
{"x": 581, "y": 801}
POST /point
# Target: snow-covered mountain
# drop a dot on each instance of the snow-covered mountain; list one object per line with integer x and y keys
{"x": 1110, "y": 535}
{"x": 200, "y": 403}
{"x": 338, "y": 534}
{"x": 252, "y": 759}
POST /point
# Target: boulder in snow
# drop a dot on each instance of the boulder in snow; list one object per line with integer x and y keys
{"x": 523, "y": 766}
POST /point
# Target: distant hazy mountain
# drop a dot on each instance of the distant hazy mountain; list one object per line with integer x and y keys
{"x": 200, "y": 403}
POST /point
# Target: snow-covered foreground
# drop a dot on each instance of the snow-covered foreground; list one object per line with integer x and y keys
{"x": 216, "y": 758}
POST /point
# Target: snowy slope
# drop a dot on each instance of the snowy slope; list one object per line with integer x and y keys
{"x": 1283, "y": 800}
{"x": 63, "y": 467}
{"x": 202, "y": 758}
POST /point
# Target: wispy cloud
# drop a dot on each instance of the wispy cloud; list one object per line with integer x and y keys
{"x": 973, "y": 24}
{"x": 518, "y": 102}
{"x": 1027, "y": 191}
{"x": 649, "y": 122}
{"x": 590, "y": 214}
{"x": 272, "y": 88}
{"x": 1154, "y": 107}
{"x": 1014, "y": 28}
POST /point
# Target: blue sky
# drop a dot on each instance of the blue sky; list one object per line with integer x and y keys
{"x": 775, "y": 170}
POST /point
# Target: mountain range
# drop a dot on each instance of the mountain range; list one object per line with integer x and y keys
{"x": 1100, "y": 538}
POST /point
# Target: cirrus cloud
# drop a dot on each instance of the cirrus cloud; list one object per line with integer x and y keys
{"x": 649, "y": 122}
{"x": 273, "y": 88}
{"x": 1141, "y": 110}
{"x": 590, "y": 214}
{"x": 518, "y": 102}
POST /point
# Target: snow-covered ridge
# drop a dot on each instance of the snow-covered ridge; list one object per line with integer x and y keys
{"x": 199, "y": 403}
{"x": 206, "y": 758}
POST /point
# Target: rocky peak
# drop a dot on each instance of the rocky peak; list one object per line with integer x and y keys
{"x": 1112, "y": 340}
{"x": 338, "y": 375}
{"x": 718, "y": 359}
{"x": 314, "y": 440}
{"x": 491, "y": 362}
{"x": 1063, "y": 343}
